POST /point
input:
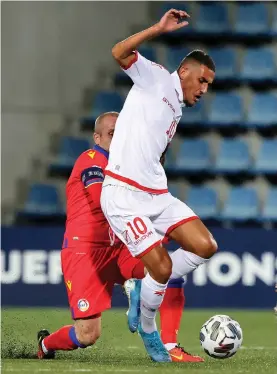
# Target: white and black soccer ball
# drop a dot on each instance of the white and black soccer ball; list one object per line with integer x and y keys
{"x": 221, "y": 336}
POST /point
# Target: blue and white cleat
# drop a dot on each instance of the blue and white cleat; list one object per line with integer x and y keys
{"x": 132, "y": 289}
{"x": 154, "y": 346}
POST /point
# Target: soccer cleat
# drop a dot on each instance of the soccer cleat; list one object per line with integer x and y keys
{"x": 132, "y": 289}
{"x": 41, "y": 355}
{"x": 154, "y": 346}
{"x": 178, "y": 354}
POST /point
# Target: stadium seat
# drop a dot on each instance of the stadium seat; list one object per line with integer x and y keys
{"x": 70, "y": 149}
{"x": 106, "y": 102}
{"x": 212, "y": 19}
{"x": 147, "y": 52}
{"x": 241, "y": 205}
{"x": 269, "y": 210}
{"x": 195, "y": 115}
{"x": 194, "y": 156}
{"x": 225, "y": 59}
{"x": 226, "y": 109}
{"x": 174, "y": 56}
{"x": 262, "y": 111}
{"x": 203, "y": 201}
{"x": 166, "y": 6}
{"x": 169, "y": 160}
{"x": 266, "y": 162}
{"x": 259, "y": 64}
{"x": 174, "y": 190}
{"x": 251, "y": 19}
{"x": 43, "y": 200}
{"x": 233, "y": 157}
{"x": 274, "y": 21}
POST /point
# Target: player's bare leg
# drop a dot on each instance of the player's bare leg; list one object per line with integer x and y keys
{"x": 198, "y": 243}
{"x": 82, "y": 334}
{"x": 88, "y": 330}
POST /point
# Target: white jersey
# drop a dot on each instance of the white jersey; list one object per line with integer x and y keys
{"x": 145, "y": 126}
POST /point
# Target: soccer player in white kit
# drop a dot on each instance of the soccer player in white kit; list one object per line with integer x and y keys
{"x": 135, "y": 197}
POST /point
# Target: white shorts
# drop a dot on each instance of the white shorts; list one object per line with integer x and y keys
{"x": 142, "y": 220}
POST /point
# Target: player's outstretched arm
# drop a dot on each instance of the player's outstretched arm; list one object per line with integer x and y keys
{"x": 123, "y": 52}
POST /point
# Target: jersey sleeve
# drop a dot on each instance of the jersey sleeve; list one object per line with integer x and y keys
{"x": 143, "y": 72}
{"x": 92, "y": 176}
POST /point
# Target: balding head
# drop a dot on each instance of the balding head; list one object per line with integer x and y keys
{"x": 104, "y": 129}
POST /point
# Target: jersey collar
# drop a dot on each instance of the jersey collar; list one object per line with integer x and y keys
{"x": 178, "y": 88}
{"x": 101, "y": 150}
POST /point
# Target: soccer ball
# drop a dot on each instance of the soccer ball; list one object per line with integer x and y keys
{"x": 221, "y": 336}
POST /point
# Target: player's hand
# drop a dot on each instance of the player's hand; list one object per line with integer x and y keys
{"x": 171, "y": 20}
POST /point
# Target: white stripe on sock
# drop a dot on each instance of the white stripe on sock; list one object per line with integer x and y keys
{"x": 45, "y": 350}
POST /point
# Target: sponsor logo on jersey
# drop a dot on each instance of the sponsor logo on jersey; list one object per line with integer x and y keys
{"x": 83, "y": 305}
{"x": 91, "y": 154}
{"x": 169, "y": 104}
{"x": 69, "y": 284}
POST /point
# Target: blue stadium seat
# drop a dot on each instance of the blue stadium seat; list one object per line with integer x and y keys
{"x": 174, "y": 190}
{"x": 174, "y": 56}
{"x": 194, "y": 156}
{"x": 259, "y": 64}
{"x": 106, "y": 102}
{"x": 241, "y": 205}
{"x": 266, "y": 162}
{"x": 269, "y": 210}
{"x": 233, "y": 156}
{"x": 147, "y": 52}
{"x": 212, "y": 19}
{"x": 203, "y": 201}
{"x": 262, "y": 111}
{"x": 226, "y": 109}
{"x": 169, "y": 160}
{"x": 225, "y": 59}
{"x": 195, "y": 115}
{"x": 70, "y": 149}
{"x": 252, "y": 19}
{"x": 274, "y": 21}
{"x": 43, "y": 200}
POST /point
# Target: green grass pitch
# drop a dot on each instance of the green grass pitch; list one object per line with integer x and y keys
{"x": 120, "y": 351}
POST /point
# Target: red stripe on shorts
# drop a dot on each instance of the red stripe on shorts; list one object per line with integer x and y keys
{"x": 171, "y": 228}
{"x": 148, "y": 249}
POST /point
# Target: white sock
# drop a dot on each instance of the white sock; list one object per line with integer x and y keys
{"x": 152, "y": 294}
{"x": 184, "y": 262}
{"x": 45, "y": 350}
{"x": 170, "y": 346}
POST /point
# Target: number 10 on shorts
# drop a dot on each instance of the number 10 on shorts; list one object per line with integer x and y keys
{"x": 138, "y": 227}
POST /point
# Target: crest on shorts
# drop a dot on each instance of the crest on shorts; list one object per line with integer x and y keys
{"x": 126, "y": 237}
{"x": 83, "y": 305}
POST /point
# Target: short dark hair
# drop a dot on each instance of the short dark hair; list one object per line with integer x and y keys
{"x": 201, "y": 57}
